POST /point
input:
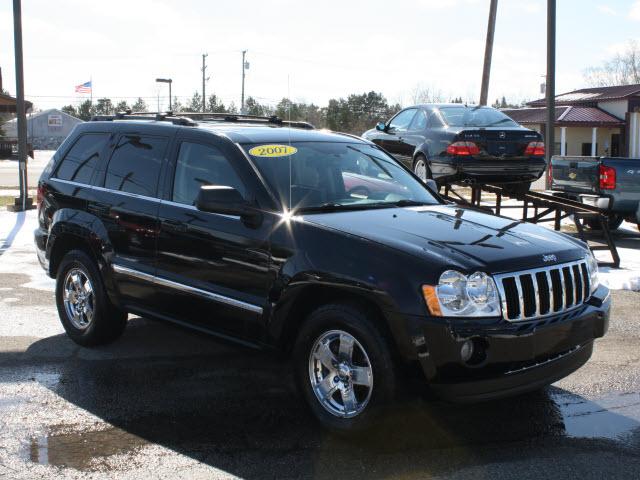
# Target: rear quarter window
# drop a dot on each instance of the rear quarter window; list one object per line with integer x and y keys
{"x": 80, "y": 161}
{"x": 135, "y": 164}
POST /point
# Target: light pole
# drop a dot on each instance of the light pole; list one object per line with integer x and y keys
{"x": 23, "y": 202}
{"x": 169, "y": 81}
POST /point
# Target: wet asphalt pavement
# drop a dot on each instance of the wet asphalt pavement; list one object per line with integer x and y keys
{"x": 163, "y": 402}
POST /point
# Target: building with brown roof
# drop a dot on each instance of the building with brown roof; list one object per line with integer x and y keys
{"x": 590, "y": 121}
{"x": 8, "y": 104}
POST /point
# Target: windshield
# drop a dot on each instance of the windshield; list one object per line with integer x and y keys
{"x": 475, "y": 117}
{"x": 332, "y": 176}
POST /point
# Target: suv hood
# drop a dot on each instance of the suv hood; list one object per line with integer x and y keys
{"x": 451, "y": 236}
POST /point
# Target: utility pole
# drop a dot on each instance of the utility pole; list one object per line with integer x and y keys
{"x": 244, "y": 52}
{"x": 204, "y": 80}
{"x": 488, "y": 50}
{"x": 23, "y": 202}
{"x": 549, "y": 133}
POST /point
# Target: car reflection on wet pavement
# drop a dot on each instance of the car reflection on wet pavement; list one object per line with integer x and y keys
{"x": 163, "y": 402}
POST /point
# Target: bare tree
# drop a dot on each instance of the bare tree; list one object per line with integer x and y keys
{"x": 426, "y": 94}
{"x": 622, "y": 69}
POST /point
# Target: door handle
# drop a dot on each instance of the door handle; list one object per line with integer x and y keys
{"x": 174, "y": 226}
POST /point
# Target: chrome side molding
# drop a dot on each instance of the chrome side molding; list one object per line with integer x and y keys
{"x": 216, "y": 297}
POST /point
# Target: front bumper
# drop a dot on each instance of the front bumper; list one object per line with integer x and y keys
{"x": 519, "y": 356}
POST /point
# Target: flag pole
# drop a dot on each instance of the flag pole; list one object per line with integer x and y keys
{"x": 91, "y": 90}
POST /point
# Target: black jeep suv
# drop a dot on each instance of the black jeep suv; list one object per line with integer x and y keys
{"x": 316, "y": 244}
{"x": 464, "y": 144}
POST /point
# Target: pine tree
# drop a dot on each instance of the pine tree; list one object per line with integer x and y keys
{"x": 86, "y": 110}
{"x": 122, "y": 106}
{"x": 70, "y": 110}
{"x": 214, "y": 105}
{"x": 195, "y": 104}
{"x": 139, "y": 106}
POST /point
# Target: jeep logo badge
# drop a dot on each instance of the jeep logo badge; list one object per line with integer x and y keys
{"x": 502, "y": 135}
{"x": 549, "y": 258}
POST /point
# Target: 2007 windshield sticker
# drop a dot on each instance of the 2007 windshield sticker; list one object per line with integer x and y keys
{"x": 273, "y": 151}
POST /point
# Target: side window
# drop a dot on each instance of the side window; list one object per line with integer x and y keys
{"x": 419, "y": 122}
{"x": 80, "y": 161}
{"x": 135, "y": 164}
{"x": 200, "y": 165}
{"x": 402, "y": 120}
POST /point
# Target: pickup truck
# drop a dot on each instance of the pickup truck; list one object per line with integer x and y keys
{"x": 609, "y": 183}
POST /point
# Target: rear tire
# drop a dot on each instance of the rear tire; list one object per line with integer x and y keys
{"x": 86, "y": 313}
{"x": 518, "y": 188}
{"x": 343, "y": 367}
{"x": 614, "y": 222}
{"x": 421, "y": 168}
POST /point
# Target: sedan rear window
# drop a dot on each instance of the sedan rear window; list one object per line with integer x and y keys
{"x": 475, "y": 117}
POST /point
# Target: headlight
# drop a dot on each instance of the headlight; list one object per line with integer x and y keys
{"x": 458, "y": 295}
{"x": 592, "y": 267}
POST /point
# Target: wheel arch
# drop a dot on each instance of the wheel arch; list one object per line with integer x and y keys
{"x": 78, "y": 230}
{"x": 290, "y": 313}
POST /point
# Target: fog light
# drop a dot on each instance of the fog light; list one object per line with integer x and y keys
{"x": 466, "y": 351}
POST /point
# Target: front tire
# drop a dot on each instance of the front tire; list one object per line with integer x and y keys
{"x": 85, "y": 311}
{"x": 343, "y": 367}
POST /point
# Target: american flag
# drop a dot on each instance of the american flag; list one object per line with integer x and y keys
{"x": 84, "y": 88}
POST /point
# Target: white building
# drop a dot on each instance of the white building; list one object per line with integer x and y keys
{"x": 590, "y": 121}
{"x": 46, "y": 130}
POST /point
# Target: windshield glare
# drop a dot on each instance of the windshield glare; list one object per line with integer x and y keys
{"x": 475, "y": 117}
{"x": 338, "y": 175}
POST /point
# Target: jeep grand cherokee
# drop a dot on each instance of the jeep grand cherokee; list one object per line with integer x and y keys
{"x": 316, "y": 244}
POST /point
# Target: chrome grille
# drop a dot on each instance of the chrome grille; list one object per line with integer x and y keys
{"x": 541, "y": 292}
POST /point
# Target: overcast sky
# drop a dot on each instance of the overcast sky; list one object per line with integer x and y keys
{"x": 306, "y": 50}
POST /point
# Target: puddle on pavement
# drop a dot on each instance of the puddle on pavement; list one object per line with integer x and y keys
{"x": 615, "y": 416}
{"x": 87, "y": 450}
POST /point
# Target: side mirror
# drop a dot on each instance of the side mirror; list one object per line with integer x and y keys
{"x": 225, "y": 200}
{"x": 381, "y": 127}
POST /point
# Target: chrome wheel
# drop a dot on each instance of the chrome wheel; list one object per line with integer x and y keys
{"x": 420, "y": 169}
{"x": 78, "y": 298}
{"x": 340, "y": 374}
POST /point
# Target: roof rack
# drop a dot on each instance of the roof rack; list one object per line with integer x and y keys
{"x": 153, "y": 116}
{"x": 239, "y": 117}
{"x": 190, "y": 118}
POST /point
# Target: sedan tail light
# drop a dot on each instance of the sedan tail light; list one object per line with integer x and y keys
{"x": 607, "y": 178}
{"x": 535, "y": 148}
{"x": 463, "y": 148}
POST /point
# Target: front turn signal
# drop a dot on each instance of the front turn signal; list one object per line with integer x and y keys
{"x": 431, "y": 297}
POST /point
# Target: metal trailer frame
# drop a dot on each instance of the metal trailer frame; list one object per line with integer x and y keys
{"x": 546, "y": 207}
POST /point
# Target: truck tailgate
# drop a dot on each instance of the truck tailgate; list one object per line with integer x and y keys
{"x": 575, "y": 174}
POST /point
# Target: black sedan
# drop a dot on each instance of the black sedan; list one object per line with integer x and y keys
{"x": 455, "y": 143}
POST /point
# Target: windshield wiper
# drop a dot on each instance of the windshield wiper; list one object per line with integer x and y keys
{"x": 326, "y": 207}
{"x": 409, "y": 203}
